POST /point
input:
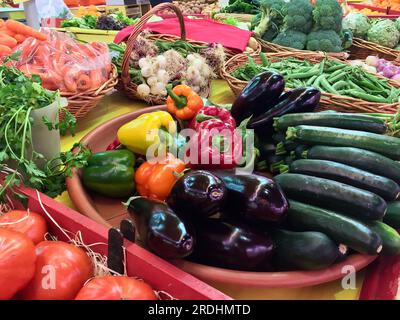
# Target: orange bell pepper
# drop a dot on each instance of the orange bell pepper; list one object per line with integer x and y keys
{"x": 155, "y": 180}
{"x": 183, "y": 102}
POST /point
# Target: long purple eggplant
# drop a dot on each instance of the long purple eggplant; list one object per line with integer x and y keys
{"x": 260, "y": 94}
{"x": 232, "y": 245}
{"x": 161, "y": 230}
{"x": 253, "y": 198}
{"x": 295, "y": 101}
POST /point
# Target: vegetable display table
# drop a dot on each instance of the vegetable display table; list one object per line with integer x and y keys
{"x": 115, "y": 105}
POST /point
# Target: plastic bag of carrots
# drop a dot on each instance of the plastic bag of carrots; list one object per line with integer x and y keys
{"x": 65, "y": 64}
{"x": 12, "y": 33}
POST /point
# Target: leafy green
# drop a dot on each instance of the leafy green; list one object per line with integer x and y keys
{"x": 84, "y": 22}
{"x": 19, "y": 95}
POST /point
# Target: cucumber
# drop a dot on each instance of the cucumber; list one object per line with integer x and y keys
{"x": 392, "y": 216}
{"x": 362, "y": 159}
{"x": 336, "y": 120}
{"x": 388, "y": 146}
{"x": 303, "y": 250}
{"x": 298, "y": 152}
{"x": 278, "y": 137}
{"x": 384, "y": 187}
{"x": 390, "y": 238}
{"x": 332, "y": 195}
{"x": 285, "y": 146}
{"x": 342, "y": 229}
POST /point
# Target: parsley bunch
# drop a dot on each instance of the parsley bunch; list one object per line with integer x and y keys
{"x": 19, "y": 95}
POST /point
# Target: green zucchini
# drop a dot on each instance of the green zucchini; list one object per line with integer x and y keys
{"x": 332, "y": 195}
{"x": 362, "y": 159}
{"x": 392, "y": 216}
{"x": 336, "y": 120}
{"x": 342, "y": 229}
{"x": 388, "y": 146}
{"x": 384, "y": 187}
{"x": 390, "y": 237}
{"x": 303, "y": 250}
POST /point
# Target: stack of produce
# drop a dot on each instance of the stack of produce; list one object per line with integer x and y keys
{"x": 242, "y": 6}
{"x": 393, "y": 4}
{"x": 19, "y": 96}
{"x": 189, "y": 7}
{"x": 213, "y": 216}
{"x": 300, "y": 25}
{"x": 380, "y": 66}
{"x": 342, "y": 178}
{"x": 329, "y": 76}
{"x": 27, "y": 257}
{"x": 111, "y": 21}
{"x": 88, "y": 11}
{"x": 384, "y": 32}
{"x": 65, "y": 64}
{"x": 154, "y": 65}
{"x": 13, "y": 32}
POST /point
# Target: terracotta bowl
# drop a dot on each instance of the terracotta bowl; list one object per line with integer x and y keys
{"x": 110, "y": 212}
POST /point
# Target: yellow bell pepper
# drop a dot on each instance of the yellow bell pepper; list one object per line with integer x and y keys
{"x": 145, "y": 131}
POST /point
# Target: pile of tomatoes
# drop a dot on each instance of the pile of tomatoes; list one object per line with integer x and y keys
{"x": 32, "y": 268}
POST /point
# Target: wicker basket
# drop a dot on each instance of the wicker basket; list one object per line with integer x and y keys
{"x": 276, "y": 48}
{"x": 328, "y": 101}
{"x": 362, "y": 49}
{"x": 125, "y": 84}
{"x": 79, "y": 104}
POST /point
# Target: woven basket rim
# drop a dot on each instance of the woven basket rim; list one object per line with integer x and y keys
{"x": 237, "y": 84}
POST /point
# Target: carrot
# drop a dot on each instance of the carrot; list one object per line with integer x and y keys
{"x": 84, "y": 83}
{"x": 20, "y": 37}
{"x": 1, "y": 23}
{"x": 20, "y": 28}
{"x": 4, "y": 51}
{"x": 8, "y": 32}
{"x": 8, "y": 41}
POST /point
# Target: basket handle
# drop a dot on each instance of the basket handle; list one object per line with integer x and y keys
{"x": 126, "y": 79}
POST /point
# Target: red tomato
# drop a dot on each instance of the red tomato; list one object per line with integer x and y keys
{"x": 17, "y": 262}
{"x": 32, "y": 224}
{"x": 61, "y": 271}
{"x": 116, "y": 288}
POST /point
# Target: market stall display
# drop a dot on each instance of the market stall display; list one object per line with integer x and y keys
{"x": 324, "y": 73}
{"x": 197, "y": 8}
{"x": 83, "y": 73}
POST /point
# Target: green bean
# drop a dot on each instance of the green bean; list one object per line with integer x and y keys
{"x": 354, "y": 86}
{"x": 312, "y": 72}
{"x": 366, "y": 96}
{"x": 317, "y": 81}
{"x": 311, "y": 80}
{"x": 327, "y": 86}
{"x": 340, "y": 84}
{"x": 264, "y": 60}
{"x": 336, "y": 67}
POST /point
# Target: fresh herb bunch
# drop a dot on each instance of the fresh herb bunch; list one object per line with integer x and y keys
{"x": 19, "y": 95}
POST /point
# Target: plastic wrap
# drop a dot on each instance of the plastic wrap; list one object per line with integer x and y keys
{"x": 64, "y": 64}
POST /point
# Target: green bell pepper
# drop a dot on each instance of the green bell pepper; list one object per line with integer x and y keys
{"x": 110, "y": 173}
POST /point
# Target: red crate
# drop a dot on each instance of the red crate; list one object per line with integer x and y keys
{"x": 160, "y": 274}
{"x": 386, "y": 13}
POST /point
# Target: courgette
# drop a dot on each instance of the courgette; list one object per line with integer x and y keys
{"x": 384, "y": 187}
{"x": 332, "y": 195}
{"x": 308, "y": 250}
{"x": 392, "y": 216}
{"x": 342, "y": 229}
{"x": 366, "y": 160}
{"x": 386, "y": 145}
{"x": 336, "y": 120}
{"x": 390, "y": 237}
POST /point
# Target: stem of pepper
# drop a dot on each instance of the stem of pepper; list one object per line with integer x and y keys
{"x": 180, "y": 102}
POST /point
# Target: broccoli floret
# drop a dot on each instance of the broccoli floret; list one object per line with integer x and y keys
{"x": 298, "y": 15}
{"x": 324, "y": 40}
{"x": 271, "y": 13}
{"x": 291, "y": 38}
{"x": 328, "y": 15}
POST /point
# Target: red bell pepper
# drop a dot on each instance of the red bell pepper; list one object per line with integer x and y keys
{"x": 213, "y": 117}
{"x": 216, "y": 144}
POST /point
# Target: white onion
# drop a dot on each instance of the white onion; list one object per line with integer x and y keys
{"x": 162, "y": 62}
{"x": 147, "y": 71}
{"x": 143, "y": 90}
{"x": 152, "y": 81}
{"x": 143, "y": 62}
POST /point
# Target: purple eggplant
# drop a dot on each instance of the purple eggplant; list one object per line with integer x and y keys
{"x": 198, "y": 194}
{"x": 160, "y": 229}
{"x": 260, "y": 94}
{"x": 253, "y": 198}
{"x": 294, "y": 101}
{"x": 232, "y": 245}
